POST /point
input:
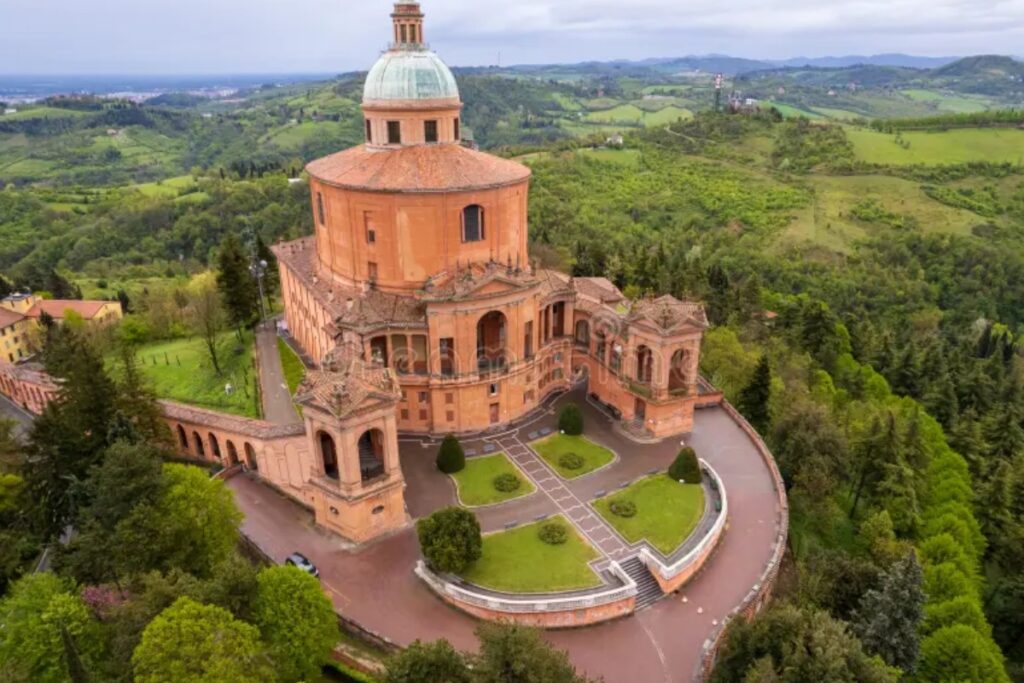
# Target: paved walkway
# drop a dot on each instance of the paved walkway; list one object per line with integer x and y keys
{"x": 589, "y": 524}
{"x": 277, "y": 399}
{"x": 376, "y": 586}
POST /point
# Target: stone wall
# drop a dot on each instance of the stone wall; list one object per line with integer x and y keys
{"x": 575, "y": 618}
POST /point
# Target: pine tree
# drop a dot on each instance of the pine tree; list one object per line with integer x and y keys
{"x": 888, "y": 617}
{"x": 753, "y": 400}
{"x": 235, "y": 282}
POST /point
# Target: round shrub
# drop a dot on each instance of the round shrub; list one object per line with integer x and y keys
{"x": 623, "y": 508}
{"x": 570, "y": 420}
{"x": 506, "y": 482}
{"x": 685, "y": 467}
{"x": 450, "y": 539}
{"x": 570, "y": 461}
{"x": 553, "y": 533}
{"x": 450, "y": 457}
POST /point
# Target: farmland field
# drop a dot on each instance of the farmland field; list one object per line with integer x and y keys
{"x": 936, "y": 148}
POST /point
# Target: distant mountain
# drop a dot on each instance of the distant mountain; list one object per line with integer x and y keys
{"x": 982, "y": 66}
{"x": 908, "y": 61}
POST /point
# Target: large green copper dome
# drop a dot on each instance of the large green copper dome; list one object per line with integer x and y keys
{"x": 404, "y": 75}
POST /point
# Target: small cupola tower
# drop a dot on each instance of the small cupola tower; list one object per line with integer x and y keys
{"x": 408, "y": 21}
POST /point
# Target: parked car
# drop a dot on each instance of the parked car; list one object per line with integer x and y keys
{"x": 302, "y": 562}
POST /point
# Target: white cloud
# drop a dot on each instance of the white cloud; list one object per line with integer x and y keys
{"x": 338, "y": 35}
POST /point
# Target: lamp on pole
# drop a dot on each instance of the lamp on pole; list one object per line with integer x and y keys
{"x": 259, "y": 271}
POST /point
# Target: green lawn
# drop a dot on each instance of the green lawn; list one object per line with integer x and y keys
{"x": 292, "y": 365}
{"x": 552, "y": 447}
{"x": 475, "y": 482}
{"x": 181, "y": 370}
{"x": 941, "y": 147}
{"x": 625, "y": 157}
{"x": 666, "y": 511}
{"x": 518, "y": 561}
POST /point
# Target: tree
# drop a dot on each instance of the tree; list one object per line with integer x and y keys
{"x": 685, "y": 467}
{"x": 271, "y": 277}
{"x": 297, "y": 622}
{"x": 450, "y": 456}
{"x": 207, "y": 313}
{"x": 191, "y": 642}
{"x": 803, "y": 645}
{"x": 193, "y": 527}
{"x": 428, "y": 663}
{"x": 125, "y": 486}
{"x": 10, "y": 449}
{"x": 888, "y": 618}
{"x": 450, "y": 539}
{"x": 235, "y": 282}
{"x": 510, "y": 653}
{"x": 570, "y": 420}
{"x": 753, "y": 400}
{"x": 959, "y": 653}
{"x": 38, "y": 617}
{"x": 69, "y": 437}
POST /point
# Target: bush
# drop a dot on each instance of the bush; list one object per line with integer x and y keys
{"x": 553, "y": 533}
{"x": 685, "y": 467}
{"x": 570, "y": 420}
{"x": 623, "y": 508}
{"x": 506, "y": 482}
{"x": 450, "y": 539}
{"x": 570, "y": 461}
{"x": 450, "y": 457}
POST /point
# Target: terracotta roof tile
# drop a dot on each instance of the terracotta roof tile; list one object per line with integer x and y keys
{"x": 345, "y": 383}
{"x": 9, "y": 318}
{"x": 56, "y": 308}
{"x": 418, "y": 168}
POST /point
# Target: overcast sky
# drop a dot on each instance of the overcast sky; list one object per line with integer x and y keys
{"x": 288, "y": 36}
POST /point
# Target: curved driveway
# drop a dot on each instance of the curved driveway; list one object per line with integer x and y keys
{"x": 376, "y": 587}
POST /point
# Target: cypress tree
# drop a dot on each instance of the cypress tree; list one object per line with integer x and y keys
{"x": 753, "y": 400}
{"x": 235, "y": 282}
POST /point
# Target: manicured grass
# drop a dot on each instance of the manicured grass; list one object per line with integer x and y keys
{"x": 519, "y": 562}
{"x": 181, "y": 370}
{"x": 959, "y": 104}
{"x": 553, "y": 447}
{"x": 475, "y": 482}
{"x": 630, "y": 113}
{"x": 790, "y": 112}
{"x": 666, "y": 511}
{"x": 292, "y": 365}
{"x": 939, "y": 147}
{"x": 168, "y": 187}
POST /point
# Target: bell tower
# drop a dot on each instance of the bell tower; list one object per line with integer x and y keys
{"x": 408, "y": 22}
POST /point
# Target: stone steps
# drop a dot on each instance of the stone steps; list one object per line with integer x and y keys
{"x": 647, "y": 589}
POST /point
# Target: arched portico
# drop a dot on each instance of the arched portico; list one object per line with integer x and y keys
{"x": 198, "y": 442}
{"x": 328, "y": 454}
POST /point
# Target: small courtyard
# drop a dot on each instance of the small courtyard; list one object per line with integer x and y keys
{"x": 656, "y": 509}
{"x": 521, "y": 561}
{"x": 572, "y": 456}
{"x": 490, "y": 480}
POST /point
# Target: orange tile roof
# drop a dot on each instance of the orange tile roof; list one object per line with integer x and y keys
{"x": 9, "y": 318}
{"x": 418, "y": 168}
{"x": 55, "y": 308}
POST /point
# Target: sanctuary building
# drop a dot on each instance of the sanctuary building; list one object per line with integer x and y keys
{"x": 418, "y": 303}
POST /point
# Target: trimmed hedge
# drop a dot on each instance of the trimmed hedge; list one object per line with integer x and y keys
{"x": 506, "y": 482}
{"x": 570, "y": 420}
{"x": 450, "y": 457}
{"x": 623, "y": 508}
{"x": 553, "y": 533}
{"x": 685, "y": 467}
{"x": 571, "y": 461}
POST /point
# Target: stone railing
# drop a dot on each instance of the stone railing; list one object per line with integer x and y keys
{"x": 555, "y": 610}
{"x": 761, "y": 591}
{"x": 670, "y": 574}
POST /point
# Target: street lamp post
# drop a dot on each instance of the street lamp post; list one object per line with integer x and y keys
{"x": 259, "y": 271}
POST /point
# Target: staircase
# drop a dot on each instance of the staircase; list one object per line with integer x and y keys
{"x": 636, "y": 427}
{"x": 369, "y": 465}
{"x": 647, "y": 589}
